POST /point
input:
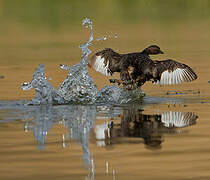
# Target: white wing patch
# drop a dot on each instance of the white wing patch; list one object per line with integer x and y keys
{"x": 175, "y": 77}
{"x": 178, "y": 119}
{"x": 100, "y": 66}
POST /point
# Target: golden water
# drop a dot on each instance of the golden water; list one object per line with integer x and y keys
{"x": 184, "y": 155}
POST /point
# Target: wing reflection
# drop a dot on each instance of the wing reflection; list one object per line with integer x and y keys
{"x": 136, "y": 127}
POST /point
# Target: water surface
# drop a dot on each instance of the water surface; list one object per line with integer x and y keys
{"x": 163, "y": 136}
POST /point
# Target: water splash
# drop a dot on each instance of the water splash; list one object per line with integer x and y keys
{"x": 44, "y": 90}
{"x": 78, "y": 86}
{"x": 106, "y": 37}
{"x": 115, "y": 95}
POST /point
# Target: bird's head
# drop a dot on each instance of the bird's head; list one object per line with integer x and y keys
{"x": 152, "y": 50}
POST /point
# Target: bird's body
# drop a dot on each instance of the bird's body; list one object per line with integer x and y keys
{"x": 108, "y": 61}
{"x": 143, "y": 67}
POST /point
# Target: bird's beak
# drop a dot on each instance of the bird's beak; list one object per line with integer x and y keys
{"x": 161, "y": 52}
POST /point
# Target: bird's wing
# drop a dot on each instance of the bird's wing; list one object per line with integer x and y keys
{"x": 100, "y": 61}
{"x": 173, "y": 72}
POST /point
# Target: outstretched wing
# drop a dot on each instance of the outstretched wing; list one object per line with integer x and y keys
{"x": 173, "y": 72}
{"x": 101, "y": 60}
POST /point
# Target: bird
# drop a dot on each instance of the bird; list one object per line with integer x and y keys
{"x": 107, "y": 61}
{"x": 138, "y": 67}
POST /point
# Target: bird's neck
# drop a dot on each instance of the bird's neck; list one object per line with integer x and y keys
{"x": 145, "y": 52}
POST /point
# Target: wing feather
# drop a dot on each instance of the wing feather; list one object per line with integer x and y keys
{"x": 100, "y": 66}
{"x": 104, "y": 61}
{"x": 173, "y": 72}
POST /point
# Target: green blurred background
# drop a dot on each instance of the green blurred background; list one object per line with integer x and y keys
{"x": 54, "y": 14}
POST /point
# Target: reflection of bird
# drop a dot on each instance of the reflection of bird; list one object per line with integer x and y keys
{"x": 149, "y": 127}
{"x": 143, "y": 68}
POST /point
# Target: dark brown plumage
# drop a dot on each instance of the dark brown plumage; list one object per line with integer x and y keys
{"x": 108, "y": 61}
{"x": 162, "y": 72}
{"x": 143, "y": 67}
